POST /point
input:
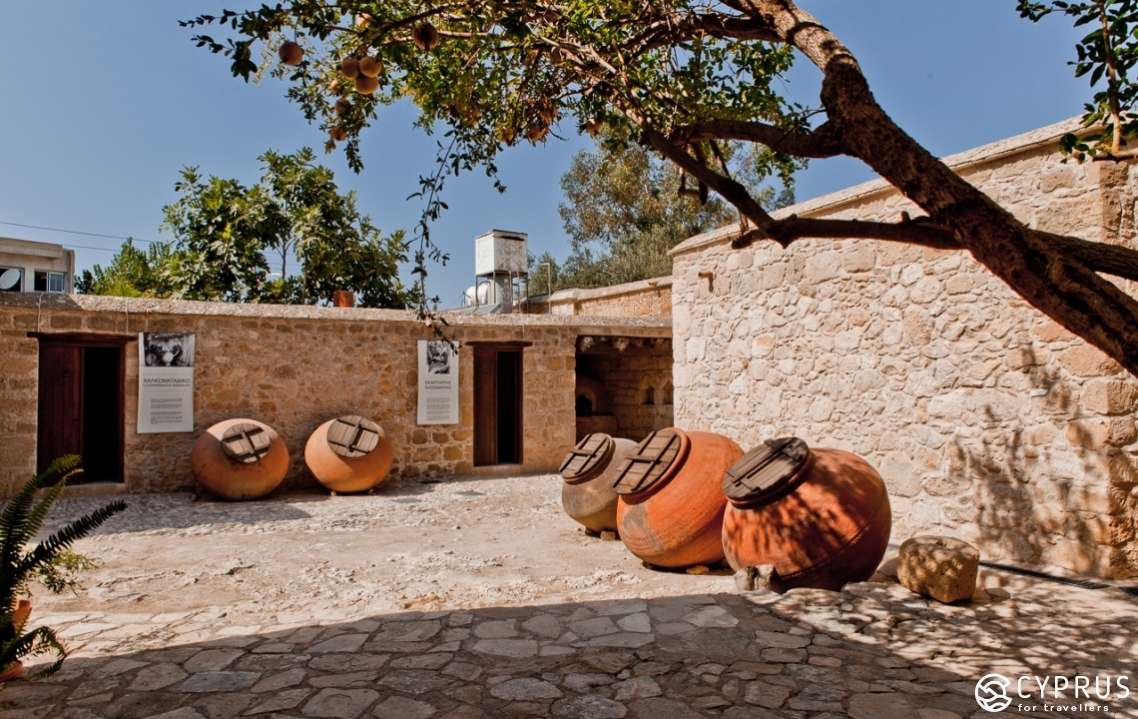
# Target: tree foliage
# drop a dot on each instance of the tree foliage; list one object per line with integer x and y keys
{"x": 133, "y": 272}
{"x": 683, "y": 78}
{"x": 1107, "y": 52}
{"x": 225, "y": 230}
{"x": 21, "y": 518}
{"x": 625, "y": 208}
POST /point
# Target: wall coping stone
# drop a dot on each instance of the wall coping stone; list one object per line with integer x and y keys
{"x": 999, "y": 150}
{"x": 52, "y": 302}
{"x": 575, "y": 294}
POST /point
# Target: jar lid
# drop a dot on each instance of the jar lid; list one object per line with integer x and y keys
{"x": 588, "y": 459}
{"x": 352, "y": 436}
{"x": 653, "y": 462}
{"x": 245, "y": 442}
{"x": 767, "y": 472}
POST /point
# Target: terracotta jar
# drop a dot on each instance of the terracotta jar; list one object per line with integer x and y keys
{"x": 349, "y": 454}
{"x": 239, "y": 459}
{"x": 589, "y": 471}
{"x": 817, "y": 517}
{"x": 670, "y": 511}
{"x": 343, "y": 298}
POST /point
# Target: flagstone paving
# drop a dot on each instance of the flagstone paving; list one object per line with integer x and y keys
{"x": 874, "y": 651}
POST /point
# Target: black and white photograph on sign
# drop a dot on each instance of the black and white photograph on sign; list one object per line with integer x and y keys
{"x": 438, "y": 357}
{"x": 168, "y": 349}
{"x": 165, "y": 382}
{"x": 438, "y": 382}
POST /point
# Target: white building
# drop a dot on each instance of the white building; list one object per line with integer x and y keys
{"x": 27, "y": 266}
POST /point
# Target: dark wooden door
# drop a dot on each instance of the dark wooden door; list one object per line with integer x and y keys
{"x": 497, "y": 405}
{"x": 81, "y": 403}
{"x": 60, "y": 429}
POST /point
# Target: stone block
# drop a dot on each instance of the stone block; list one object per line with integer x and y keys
{"x": 939, "y": 567}
{"x": 1107, "y": 396}
{"x": 1087, "y": 361}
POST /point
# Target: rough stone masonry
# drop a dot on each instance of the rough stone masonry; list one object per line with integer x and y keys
{"x": 988, "y": 421}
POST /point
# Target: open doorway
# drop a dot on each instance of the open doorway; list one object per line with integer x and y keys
{"x": 81, "y": 403}
{"x": 497, "y": 404}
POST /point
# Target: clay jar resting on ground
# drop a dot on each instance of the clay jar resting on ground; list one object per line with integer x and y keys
{"x": 348, "y": 454}
{"x": 819, "y": 518}
{"x": 239, "y": 459}
{"x": 589, "y": 471}
{"x": 670, "y": 511}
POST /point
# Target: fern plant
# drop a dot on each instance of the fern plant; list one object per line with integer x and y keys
{"x": 21, "y": 518}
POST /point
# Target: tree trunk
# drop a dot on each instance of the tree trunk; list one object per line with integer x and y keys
{"x": 1061, "y": 287}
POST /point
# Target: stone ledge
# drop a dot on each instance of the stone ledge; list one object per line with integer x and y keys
{"x": 1015, "y": 145}
{"x": 54, "y": 303}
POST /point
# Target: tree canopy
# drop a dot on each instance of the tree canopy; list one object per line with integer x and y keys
{"x": 681, "y": 78}
{"x": 625, "y": 208}
{"x": 223, "y": 231}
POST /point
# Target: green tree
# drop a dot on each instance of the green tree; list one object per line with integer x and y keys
{"x": 221, "y": 230}
{"x": 625, "y": 208}
{"x": 683, "y": 78}
{"x": 133, "y": 272}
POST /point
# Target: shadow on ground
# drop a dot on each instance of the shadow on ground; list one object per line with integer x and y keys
{"x": 873, "y": 651}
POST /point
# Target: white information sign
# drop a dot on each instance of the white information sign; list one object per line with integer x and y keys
{"x": 438, "y": 382}
{"x": 165, "y": 382}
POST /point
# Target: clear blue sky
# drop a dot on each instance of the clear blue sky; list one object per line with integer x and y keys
{"x": 102, "y": 102}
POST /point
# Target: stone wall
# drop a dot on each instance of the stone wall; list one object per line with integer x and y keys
{"x": 638, "y": 381}
{"x": 646, "y": 298}
{"x": 987, "y": 420}
{"x": 295, "y": 367}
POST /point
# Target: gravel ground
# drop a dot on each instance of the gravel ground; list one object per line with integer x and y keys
{"x": 479, "y": 600}
{"x": 474, "y": 543}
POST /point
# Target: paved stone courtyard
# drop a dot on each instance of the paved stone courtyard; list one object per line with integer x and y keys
{"x": 687, "y": 647}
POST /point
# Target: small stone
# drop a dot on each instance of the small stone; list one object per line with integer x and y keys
{"x": 156, "y": 677}
{"x": 881, "y": 706}
{"x": 219, "y": 681}
{"x": 211, "y": 660}
{"x": 281, "y": 680}
{"x": 769, "y": 696}
{"x": 544, "y": 625}
{"x": 342, "y": 643}
{"x": 280, "y": 701}
{"x": 637, "y": 688}
{"x": 745, "y": 579}
{"x": 610, "y": 536}
{"x": 698, "y": 569}
{"x": 589, "y": 706}
{"x": 525, "y": 689}
{"x": 340, "y": 703}
{"x": 638, "y": 622}
{"x": 517, "y": 648}
{"x": 496, "y": 630}
{"x": 711, "y": 616}
{"x": 939, "y": 567}
{"x": 403, "y": 708}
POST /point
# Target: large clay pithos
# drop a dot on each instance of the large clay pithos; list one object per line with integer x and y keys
{"x": 670, "y": 511}
{"x": 810, "y": 517}
{"x": 589, "y": 471}
{"x": 349, "y": 454}
{"x": 239, "y": 459}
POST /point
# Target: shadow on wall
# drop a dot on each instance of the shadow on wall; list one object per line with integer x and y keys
{"x": 1037, "y": 506}
{"x": 873, "y": 651}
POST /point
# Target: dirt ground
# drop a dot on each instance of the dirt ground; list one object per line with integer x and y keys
{"x": 459, "y": 544}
